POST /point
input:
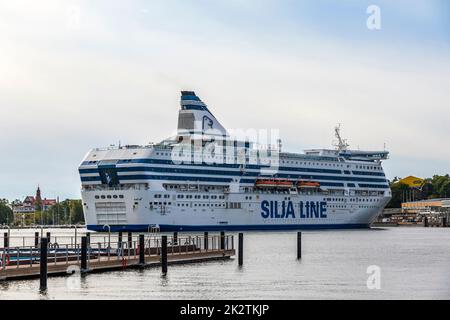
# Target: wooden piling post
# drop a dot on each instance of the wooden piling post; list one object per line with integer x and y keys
{"x": 36, "y": 239}
{"x": 299, "y": 245}
{"x": 425, "y": 221}
{"x": 164, "y": 254}
{"x": 222, "y": 240}
{"x": 130, "y": 240}
{"x": 205, "y": 241}
{"x": 141, "y": 250}
{"x": 120, "y": 240}
{"x": 5, "y": 240}
{"x": 241, "y": 249}
{"x": 88, "y": 238}
{"x": 43, "y": 264}
{"x": 84, "y": 267}
{"x": 175, "y": 238}
{"x": 48, "y": 237}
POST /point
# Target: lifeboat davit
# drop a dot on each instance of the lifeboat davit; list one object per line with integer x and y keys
{"x": 308, "y": 184}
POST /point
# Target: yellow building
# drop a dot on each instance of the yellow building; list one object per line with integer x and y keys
{"x": 412, "y": 182}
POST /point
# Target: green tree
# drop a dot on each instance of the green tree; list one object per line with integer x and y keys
{"x": 6, "y": 213}
{"x": 398, "y": 189}
{"x": 444, "y": 191}
{"x": 441, "y": 186}
{"x": 76, "y": 211}
{"x": 66, "y": 212}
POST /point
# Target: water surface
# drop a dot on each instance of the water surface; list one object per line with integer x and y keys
{"x": 414, "y": 263}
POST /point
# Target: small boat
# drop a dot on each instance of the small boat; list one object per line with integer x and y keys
{"x": 284, "y": 183}
{"x": 308, "y": 184}
{"x": 273, "y": 183}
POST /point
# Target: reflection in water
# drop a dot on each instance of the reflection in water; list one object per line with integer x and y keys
{"x": 4, "y": 285}
{"x": 164, "y": 280}
{"x": 43, "y": 294}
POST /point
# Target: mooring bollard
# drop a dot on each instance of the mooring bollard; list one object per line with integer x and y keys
{"x": 43, "y": 264}
{"x": 175, "y": 237}
{"x": 141, "y": 250}
{"x": 299, "y": 245}
{"x": 84, "y": 267}
{"x": 205, "y": 241}
{"x": 36, "y": 239}
{"x": 164, "y": 254}
{"x": 241, "y": 249}
{"x": 222, "y": 240}
{"x": 5, "y": 240}
{"x": 120, "y": 240}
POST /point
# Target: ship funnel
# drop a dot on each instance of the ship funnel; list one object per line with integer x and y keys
{"x": 195, "y": 118}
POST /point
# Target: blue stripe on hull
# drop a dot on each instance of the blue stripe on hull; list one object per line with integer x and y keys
{"x": 187, "y": 228}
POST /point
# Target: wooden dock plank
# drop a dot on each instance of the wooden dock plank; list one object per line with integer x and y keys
{"x": 112, "y": 263}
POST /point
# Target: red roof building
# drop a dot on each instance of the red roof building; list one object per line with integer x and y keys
{"x": 31, "y": 203}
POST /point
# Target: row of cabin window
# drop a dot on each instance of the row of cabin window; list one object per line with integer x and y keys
{"x": 206, "y": 189}
{"x": 201, "y": 204}
{"x": 296, "y": 162}
{"x": 351, "y": 200}
{"x": 161, "y": 203}
{"x": 114, "y": 196}
{"x": 190, "y": 196}
{"x": 166, "y": 196}
{"x": 332, "y": 165}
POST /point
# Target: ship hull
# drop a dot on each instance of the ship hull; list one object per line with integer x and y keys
{"x": 201, "y": 228}
{"x": 135, "y": 212}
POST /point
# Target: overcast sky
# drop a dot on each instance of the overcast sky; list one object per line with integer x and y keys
{"x": 81, "y": 74}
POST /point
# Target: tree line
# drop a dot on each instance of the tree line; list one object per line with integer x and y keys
{"x": 65, "y": 212}
{"x": 436, "y": 187}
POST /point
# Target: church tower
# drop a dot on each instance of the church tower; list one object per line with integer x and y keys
{"x": 38, "y": 200}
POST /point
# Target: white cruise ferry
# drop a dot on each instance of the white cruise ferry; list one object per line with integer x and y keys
{"x": 205, "y": 179}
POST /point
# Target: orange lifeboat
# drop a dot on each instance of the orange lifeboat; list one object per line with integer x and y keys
{"x": 266, "y": 183}
{"x": 284, "y": 183}
{"x": 273, "y": 183}
{"x": 308, "y": 184}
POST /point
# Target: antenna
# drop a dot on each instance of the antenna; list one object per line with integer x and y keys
{"x": 341, "y": 144}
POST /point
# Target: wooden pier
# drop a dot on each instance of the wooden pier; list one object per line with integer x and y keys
{"x": 100, "y": 254}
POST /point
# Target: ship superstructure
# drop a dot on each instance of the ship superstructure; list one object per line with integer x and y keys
{"x": 203, "y": 178}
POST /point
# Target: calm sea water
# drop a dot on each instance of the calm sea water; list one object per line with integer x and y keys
{"x": 414, "y": 263}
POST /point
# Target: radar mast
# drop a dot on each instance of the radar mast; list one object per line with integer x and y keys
{"x": 340, "y": 144}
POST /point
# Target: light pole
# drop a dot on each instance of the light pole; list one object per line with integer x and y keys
{"x": 109, "y": 234}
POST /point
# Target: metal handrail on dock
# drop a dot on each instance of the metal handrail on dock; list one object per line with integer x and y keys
{"x": 105, "y": 252}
